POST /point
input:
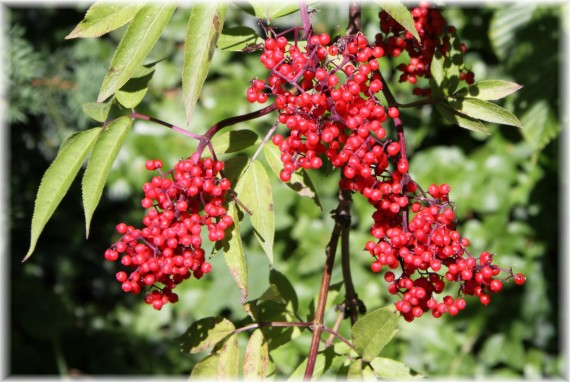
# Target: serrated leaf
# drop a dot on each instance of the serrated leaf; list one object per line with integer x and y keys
{"x": 58, "y": 178}
{"x": 504, "y": 24}
{"x": 237, "y": 38}
{"x": 233, "y": 141}
{"x": 386, "y": 368}
{"x": 207, "y": 368}
{"x": 452, "y": 116}
{"x": 102, "y": 158}
{"x": 254, "y": 191}
{"x": 205, "y": 333}
{"x": 373, "y": 331}
{"x": 485, "y": 111}
{"x": 541, "y": 125}
{"x": 355, "y": 370}
{"x": 97, "y": 110}
{"x": 256, "y": 360}
{"x": 204, "y": 26}
{"x": 140, "y": 37}
{"x": 228, "y": 364}
{"x": 271, "y": 10}
{"x": 103, "y": 17}
{"x": 234, "y": 253}
{"x": 488, "y": 90}
{"x": 300, "y": 181}
{"x": 133, "y": 92}
{"x": 399, "y": 12}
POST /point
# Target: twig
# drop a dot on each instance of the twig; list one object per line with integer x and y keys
{"x": 354, "y": 21}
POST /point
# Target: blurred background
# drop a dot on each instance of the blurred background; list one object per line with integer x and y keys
{"x": 68, "y": 316}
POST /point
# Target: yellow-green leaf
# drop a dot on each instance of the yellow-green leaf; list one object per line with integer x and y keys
{"x": 204, "y": 27}
{"x": 452, "y": 116}
{"x": 140, "y": 37}
{"x": 58, "y": 178}
{"x": 104, "y": 154}
{"x": 238, "y": 38}
{"x": 133, "y": 92}
{"x": 205, "y": 333}
{"x": 485, "y": 111}
{"x": 399, "y": 12}
{"x": 373, "y": 331}
{"x": 233, "y": 141}
{"x": 386, "y": 368}
{"x": 103, "y": 17}
{"x": 489, "y": 90}
{"x": 207, "y": 368}
{"x": 96, "y": 110}
{"x": 228, "y": 364}
{"x": 256, "y": 360}
{"x": 254, "y": 191}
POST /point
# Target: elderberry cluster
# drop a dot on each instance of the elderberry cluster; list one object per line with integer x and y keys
{"x": 434, "y": 34}
{"x": 329, "y": 97}
{"x": 169, "y": 249}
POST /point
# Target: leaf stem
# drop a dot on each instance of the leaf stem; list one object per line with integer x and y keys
{"x": 135, "y": 115}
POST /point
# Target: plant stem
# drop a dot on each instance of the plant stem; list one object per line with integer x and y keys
{"x": 274, "y": 324}
{"x": 351, "y": 297}
{"x": 342, "y": 215}
{"x": 354, "y": 21}
{"x": 180, "y": 130}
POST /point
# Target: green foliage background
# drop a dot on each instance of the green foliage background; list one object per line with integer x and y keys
{"x": 68, "y": 315}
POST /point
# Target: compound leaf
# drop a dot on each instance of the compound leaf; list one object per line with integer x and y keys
{"x": 373, "y": 331}
{"x": 254, "y": 191}
{"x": 103, "y": 17}
{"x": 58, "y": 178}
{"x": 204, "y": 27}
{"x": 140, "y": 37}
{"x": 102, "y": 157}
{"x": 256, "y": 360}
{"x": 399, "y": 12}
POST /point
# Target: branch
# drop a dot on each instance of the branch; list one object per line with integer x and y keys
{"x": 354, "y": 21}
{"x": 351, "y": 298}
{"x": 342, "y": 215}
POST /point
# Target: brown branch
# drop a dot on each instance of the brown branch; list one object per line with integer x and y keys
{"x": 354, "y": 20}
{"x": 342, "y": 215}
{"x": 351, "y": 298}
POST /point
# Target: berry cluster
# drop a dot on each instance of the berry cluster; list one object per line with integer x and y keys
{"x": 169, "y": 249}
{"x": 434, "y": 34}
{"x": 330, "y": 99}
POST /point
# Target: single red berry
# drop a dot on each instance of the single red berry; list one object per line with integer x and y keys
{"x": 393, "y": 112}
{"x": 520, "y": 279}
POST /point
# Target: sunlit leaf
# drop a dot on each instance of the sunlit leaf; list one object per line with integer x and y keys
{"x": 204, "y": 27}
{"x": 207, "y": 368}
{"x": 104, "y": 154}
{"x": 228, "y": 364}
{"x": 373, "y": 331}
{"x": 399, "y": 12}
{"x": 237, "y": 38}
{"x": 256, "y": 360}
{"x": 355, "y": 370}
{"x": 97, "y": 110}
{"x": 136, "y": 44}
{"x": 103, "y": 17}
{"x": 271, "y": 10}
{"x": 133, "y": 92}
{"x": 484, "y": 110}
{"x": 489, "y": 90}
{"x": 205, "y": 333}
{"x": 254, "y": 191}
{"x": 233, "y": 140}
{"x": 58, "y": 178}
{"x": 386, "y": 368}
{"x": 452, "y": 116}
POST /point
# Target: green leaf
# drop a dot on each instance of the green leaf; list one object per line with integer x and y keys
{"x": 452, "y": 116}
{"x": 504, "y": 25}
{"x": 373, "y": 331}
{"x": 207, "y": 368}
{"x": 355, "y": 370}
{"x": 204, "y": 27}
{"x": 399, "y": 12}
{"x": 104, "y": 154}
{"x": 271, "y": 10}
{"x": 228, "y": 364}
{"x": 386, "y": 368}
{"x": 104, "y": 17}
{"x": 285, "y": 288}
{"x": 234, "y": 253}
{"x": 437, "y": 72}
{"x": 484, "y": 110}
{"x": 133, "y": 92}
{"x": 233, "y": 141}
{"x": 236, "y": 38}
{"x": 489, "y": 90}
{"x": 96, "y": 110}
{"x": 334, "y": 291}
{"x": 256, "y": 360}
{"x": 453, "y": 64}
{"x": 58, "y": 178}
{"x": 205, "y": 333}
{"x": 322, "y": 364}
{"x": 541, "y": 125}
{"x": 254, "y": 191}
{"x": 299, "y": 182}
{"x": 140, "y": 37}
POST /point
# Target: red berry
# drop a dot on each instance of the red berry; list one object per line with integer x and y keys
{"x": 520, "y": 279}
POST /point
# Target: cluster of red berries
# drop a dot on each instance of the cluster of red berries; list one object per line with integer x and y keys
{"x": 434, "y": 34}
{"x": 328, "y": 98}
{"x": 169, "y": 249}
